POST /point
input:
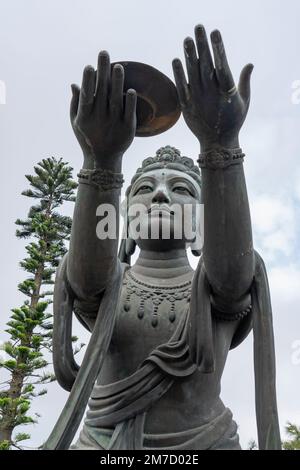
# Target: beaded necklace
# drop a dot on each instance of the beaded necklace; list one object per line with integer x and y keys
{"x": 155, "y": 296}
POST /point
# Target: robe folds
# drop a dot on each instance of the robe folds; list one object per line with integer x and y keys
{"x": 117, "y": 411}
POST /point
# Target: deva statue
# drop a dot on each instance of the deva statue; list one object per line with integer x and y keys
{"x": 161, "y": 331}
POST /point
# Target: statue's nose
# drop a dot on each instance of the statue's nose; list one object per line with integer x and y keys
{"x": 160, "y": 196}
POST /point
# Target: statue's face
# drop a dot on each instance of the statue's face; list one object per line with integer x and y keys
{"x": 168, "y": 200}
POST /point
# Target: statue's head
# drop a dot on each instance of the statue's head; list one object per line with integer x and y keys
{"x": 162, "y": 201}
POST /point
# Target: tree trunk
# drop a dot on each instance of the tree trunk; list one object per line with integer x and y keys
{"x": 17, "y": 377}
{"x": 14, "y": 392}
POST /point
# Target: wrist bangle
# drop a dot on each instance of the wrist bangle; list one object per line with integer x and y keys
{"x": 100, "y": 178}
{"x": 220, "y": 158}
{"x": 231, "y": 316}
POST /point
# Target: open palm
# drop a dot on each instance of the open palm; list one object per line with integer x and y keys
{"x": 213, "y": 107}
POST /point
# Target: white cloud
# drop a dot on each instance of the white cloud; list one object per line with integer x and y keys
{"x": 285, "y": 282}
{"x": 297, "y": 191}
{"x": 274, "y": 223}
{"x": 268, "y": 213}
{"x": 270, "y": 139}
{"x": 279, "y": 241}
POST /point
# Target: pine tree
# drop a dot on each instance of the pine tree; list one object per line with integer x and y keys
{"x": 30, "y": 325}
{"x": 293, "y": 432}
{"x": 252, "y": 445}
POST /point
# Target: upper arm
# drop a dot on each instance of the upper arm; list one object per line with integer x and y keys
{"x": 86, "y": 311}
{"x": 86, "y": 307}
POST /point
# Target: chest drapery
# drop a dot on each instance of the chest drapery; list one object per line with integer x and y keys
{"x": 199, "y": 353}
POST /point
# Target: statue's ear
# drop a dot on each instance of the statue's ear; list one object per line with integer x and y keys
{"x": 123, "y": 207}
{"x": 125, "y": 251}
{"x": 197, "y": 252}
{"x": 196, "y": 246}
{"x": 130, "y": 246}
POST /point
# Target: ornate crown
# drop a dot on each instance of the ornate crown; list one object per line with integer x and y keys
{"x": 168, "y": 157}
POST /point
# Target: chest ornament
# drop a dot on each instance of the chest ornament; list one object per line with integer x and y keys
{"x": 155, "y": 296}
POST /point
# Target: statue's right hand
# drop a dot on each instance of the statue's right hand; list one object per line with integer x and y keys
{"x": 103, "y": 121}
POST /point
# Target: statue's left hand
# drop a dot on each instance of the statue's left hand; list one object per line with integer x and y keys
{"x": 213, "y": 107}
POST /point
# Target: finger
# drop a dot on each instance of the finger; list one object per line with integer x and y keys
{"x": 116, "y": 98}
{"x": 244, "y": 83}
{"x": 74, "y": 101}
{"x": 223, "y": 72}
{"x": 130, "y": 106}
{"x": 86, "y": 99}
{"x": 192, "y": 64}
{"x": 181, "y": 83}
{"x": 205, "y": 59}
{"x": 103, "y": 81}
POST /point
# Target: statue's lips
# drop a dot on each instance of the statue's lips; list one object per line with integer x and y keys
{"x": 160, "y": 210}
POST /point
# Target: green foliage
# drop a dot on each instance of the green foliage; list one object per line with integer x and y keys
{"x": 293, "y": 443}
{"x": 30, "y": 326}
{"x": 252, "y": 445}
{"x": 22, "y": 436}
{"x": 293, "y": 432}
{"x": 5, "y": 444}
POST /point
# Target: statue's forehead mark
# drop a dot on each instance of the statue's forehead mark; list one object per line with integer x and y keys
{"x": 155, "y": 175}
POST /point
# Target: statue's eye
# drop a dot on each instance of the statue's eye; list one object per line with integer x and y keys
{"x": 143, "y": 189}
{"x": 182, "y": 190}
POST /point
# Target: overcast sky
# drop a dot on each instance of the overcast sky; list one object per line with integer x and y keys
{"x": 44, "y": 46}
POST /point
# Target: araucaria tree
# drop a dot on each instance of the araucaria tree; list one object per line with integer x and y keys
{"x": 293, "y": 431}
{"x": 24, "y": 361}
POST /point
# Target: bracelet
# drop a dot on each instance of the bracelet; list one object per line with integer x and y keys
{"x": 102, "y": 179}
{"x": 231, "y": 316}
{"x": 220, "y": 158}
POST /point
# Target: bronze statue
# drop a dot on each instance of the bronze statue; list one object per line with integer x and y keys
{"x": 161, "y": 331}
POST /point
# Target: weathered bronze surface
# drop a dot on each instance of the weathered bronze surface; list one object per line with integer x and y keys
{"x": 161, "y": 332}
{"x": 157, "y": 106}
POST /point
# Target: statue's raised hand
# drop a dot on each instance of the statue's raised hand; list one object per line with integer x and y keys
{"x": 103, "y": 121}
{"x": 213, "y": 107}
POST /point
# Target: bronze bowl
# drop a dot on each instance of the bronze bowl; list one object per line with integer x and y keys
{"x": 158, "y": 107}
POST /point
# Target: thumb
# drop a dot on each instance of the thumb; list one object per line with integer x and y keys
{"x": 74, "y": 101}
{"x": 244, "y": 83}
